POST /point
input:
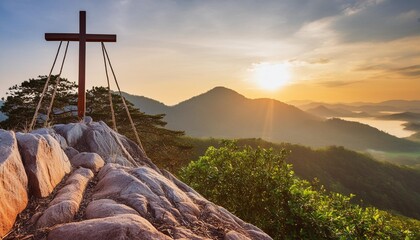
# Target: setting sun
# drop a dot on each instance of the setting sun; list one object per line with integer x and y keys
{"x": 271, "y": 76}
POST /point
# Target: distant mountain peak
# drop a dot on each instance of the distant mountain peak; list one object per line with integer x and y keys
{"x": 145, "y": 104}
{"x": 321, "y": 107}
{"x": 323, "y": 111}
{"x": 220, "y": 90}
{"x": 215, "y": 95}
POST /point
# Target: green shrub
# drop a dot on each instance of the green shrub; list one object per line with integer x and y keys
{"x": 260, "y": 187}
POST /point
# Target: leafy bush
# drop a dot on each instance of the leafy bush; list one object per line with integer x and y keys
{"x": 382, "y": 185}
{"x": 261, "y": 188}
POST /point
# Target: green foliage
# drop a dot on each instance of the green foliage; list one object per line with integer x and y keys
{"x": 379, "y": 184}
{"x": 22, "y": 100}
{"x": 260, "y": 187}
{"x": 164, "y": 146}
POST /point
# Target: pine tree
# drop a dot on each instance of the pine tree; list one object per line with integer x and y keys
{"x": 21, "y": 102}
{"x": 166, "y": 147}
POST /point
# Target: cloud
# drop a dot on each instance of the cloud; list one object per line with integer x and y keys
{"x": 337, "y": 83}
{"x": 319, "y": 31}
{"x": 320, "y": 61}
{"x": 408, "y": 71}
{"x": 249, "y": 19}
{"x": 379, "y": 21}
{"x": 359, "y": 6}
{"x": 298, "y": 62}
{"x": 372, "y": 68}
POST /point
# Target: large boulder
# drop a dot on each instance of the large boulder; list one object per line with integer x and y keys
{"x": 88, "y": 160}
{"x": 179, "y": 210}
{"x": 52, "y": 133}
{"x": 232, "y": 235}
{"x": 97, "y": 137}
{"x": 107, "y": 208}
{"x": 125, "y": 226}
{"x": 45, "y": 162}
{"x": 13, "y": 182}
{"x": 72, "y": 132}
{"x": 66, "y": 203}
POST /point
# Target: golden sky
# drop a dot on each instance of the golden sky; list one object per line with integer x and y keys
{"x": 320, "y": 50}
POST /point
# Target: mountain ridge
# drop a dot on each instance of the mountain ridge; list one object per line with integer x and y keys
{"x": 224, "y": 113}
{"x": 148, "y": 105}
{"x": 390, "y": 105}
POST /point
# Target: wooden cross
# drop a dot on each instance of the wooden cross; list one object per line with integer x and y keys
{"x": 82, "y": 38}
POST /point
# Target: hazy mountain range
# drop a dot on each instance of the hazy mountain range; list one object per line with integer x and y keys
{"x": 404, "y": 116}
{"x": 224, "y": 113}
{"x": 323, "y": 111}
{"x": 397, "y": 110}
{"x": 370, "y": 108}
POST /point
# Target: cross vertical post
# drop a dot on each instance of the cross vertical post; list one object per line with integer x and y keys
{"x": 81, "y": 103}
{"x": 82, "y": 38}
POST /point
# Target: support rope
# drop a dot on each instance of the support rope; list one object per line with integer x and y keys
{"x": 44, "y": 90}
{"x": 123, "y": 100}
{"x": 114, "y": 124}
{"x": 56, "y": 85}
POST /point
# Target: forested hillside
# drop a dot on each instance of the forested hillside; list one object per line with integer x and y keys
{"x": 379, "y": 184}
{"x": 259, "y": 186}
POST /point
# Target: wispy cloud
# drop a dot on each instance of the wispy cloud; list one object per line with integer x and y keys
{"x": 412, "y": 71}
{"x": 408, "y": 71}
{"x": 372, "y": 68}
{"x": 319, "y": 61}
{"x": 360, "y": 5}
{"x": 310, "y": 61}
{"x": 333, "y": 84}
{"x": 379, "y": 21}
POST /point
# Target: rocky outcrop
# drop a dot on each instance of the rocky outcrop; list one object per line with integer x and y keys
{"x": 129, "y": 198}
{"x": 88, "y": 160}
{"x": 66, "y": 203}
{"x": 232, "y": 235}
{"x": 13, "y": 182}
{"x": 44, "y": 160}
{"x": 107, "y": 208}
{"x": 97, "y": 137}
{"x": 125, "y": 226}
{"x": 184, "y": 213}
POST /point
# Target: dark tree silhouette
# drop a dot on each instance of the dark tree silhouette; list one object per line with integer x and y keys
{"x": 166, "y": 147}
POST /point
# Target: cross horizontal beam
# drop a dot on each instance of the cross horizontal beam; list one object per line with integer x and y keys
{"x": 76, "y": 37}
{"x": 82, "y": 37}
